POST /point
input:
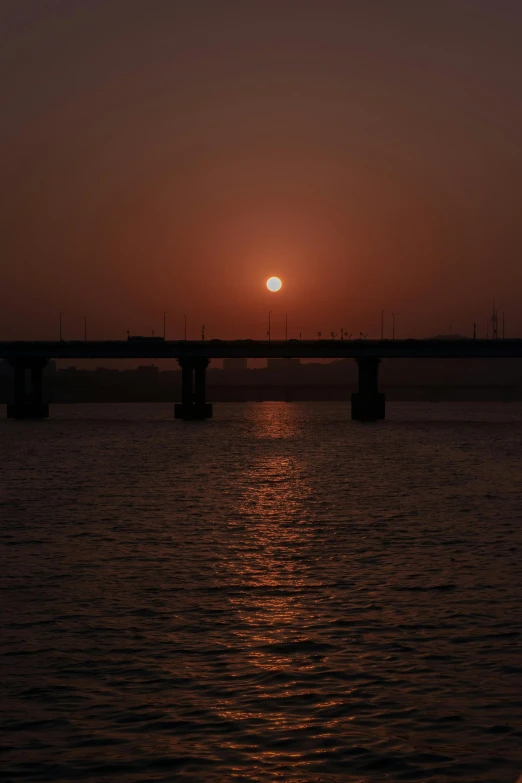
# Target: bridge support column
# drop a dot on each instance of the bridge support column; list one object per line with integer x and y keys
{"x": 28, "y": 404}
{"x": 193, "y": 390}
{"x": 368, "y": 404}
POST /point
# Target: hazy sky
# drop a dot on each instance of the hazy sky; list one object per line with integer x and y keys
{"x": 165, "y": 155}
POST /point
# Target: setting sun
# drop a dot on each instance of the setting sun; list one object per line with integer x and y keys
{"x": 273, "y": 284}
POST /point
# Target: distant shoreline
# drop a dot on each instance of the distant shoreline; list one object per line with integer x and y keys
{"x": 288, "y": 393}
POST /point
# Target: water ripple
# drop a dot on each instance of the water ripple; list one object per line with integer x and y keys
{"x": 280, "y": 594}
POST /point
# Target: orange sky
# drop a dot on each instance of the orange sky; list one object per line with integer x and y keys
{"x": 172, "y": 156}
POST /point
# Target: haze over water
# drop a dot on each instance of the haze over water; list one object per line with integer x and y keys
{"x": 277, "y": 594}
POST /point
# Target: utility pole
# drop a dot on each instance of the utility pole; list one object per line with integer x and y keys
{"x": 494, "y": 323}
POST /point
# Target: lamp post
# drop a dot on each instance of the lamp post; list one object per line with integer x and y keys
{"x": 61, "y": 314}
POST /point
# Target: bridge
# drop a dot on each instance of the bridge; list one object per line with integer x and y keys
{"x": 368, "y": 404}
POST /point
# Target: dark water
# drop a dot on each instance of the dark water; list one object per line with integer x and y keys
{"x": 276, "y": 595}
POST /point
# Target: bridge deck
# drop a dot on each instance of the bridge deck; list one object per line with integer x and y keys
{"x": 261, "y": 349}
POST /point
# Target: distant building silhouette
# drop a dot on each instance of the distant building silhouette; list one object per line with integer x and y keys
{"x": 235, "y": 364}
{"x": 283, "y": 364}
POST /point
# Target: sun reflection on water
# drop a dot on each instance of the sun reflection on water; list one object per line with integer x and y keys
{"x": 272, "y": 572}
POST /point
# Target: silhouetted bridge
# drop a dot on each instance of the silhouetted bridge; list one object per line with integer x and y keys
{"x": 368, "y": 404}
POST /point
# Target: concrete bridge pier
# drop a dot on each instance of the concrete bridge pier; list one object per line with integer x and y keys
{"x": 28, "y": 403}
{"x": 193, "y": 390}
{"x": 368, "y": 404}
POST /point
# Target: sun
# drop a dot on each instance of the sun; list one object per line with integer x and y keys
{"x": 273, "y": 284}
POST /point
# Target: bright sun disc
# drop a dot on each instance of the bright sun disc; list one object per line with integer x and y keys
{"x": 273, "y": 284}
